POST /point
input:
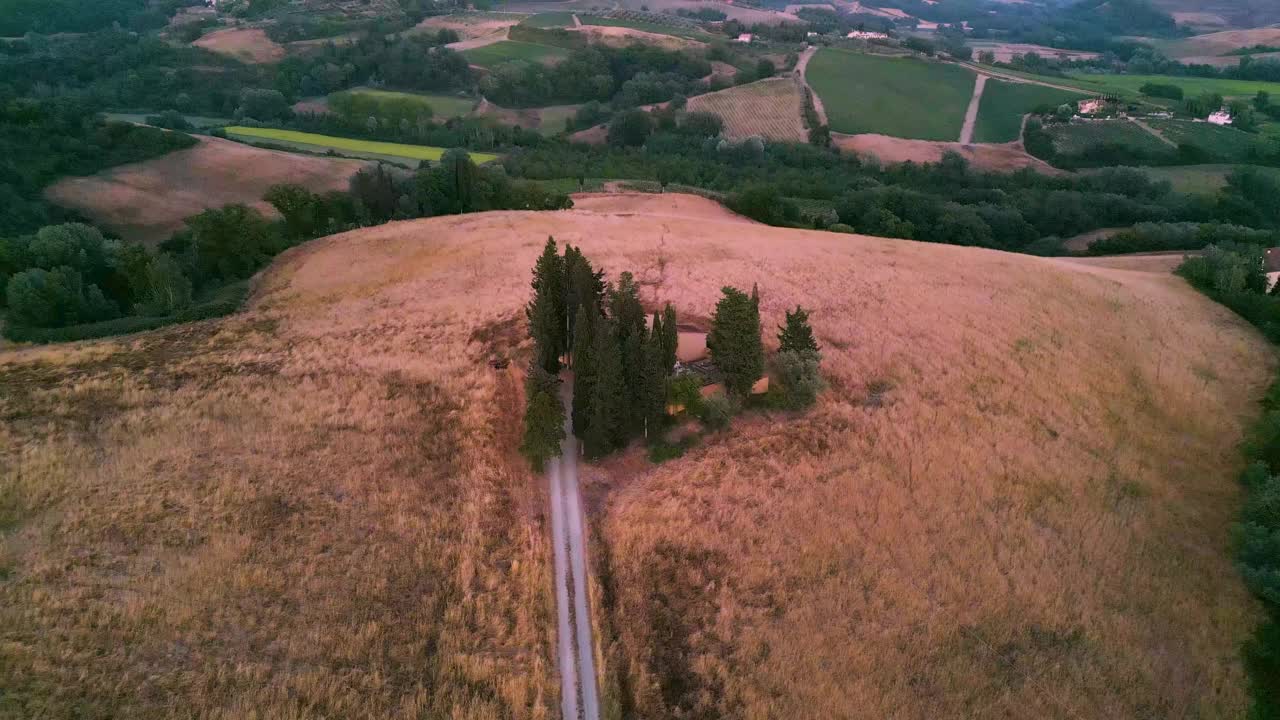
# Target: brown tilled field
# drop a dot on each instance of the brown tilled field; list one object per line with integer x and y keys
{"x": 1014, "y": 500}
{"x": 1006, "y": 157}
{"x": 148, "y": 201}
{"x": 772, "y": 108}
{"x": 247, "y": 44}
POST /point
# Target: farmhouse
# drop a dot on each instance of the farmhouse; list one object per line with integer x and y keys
{"x": 1222, "y": 117}
{"x": 867, "y": 35}
{"x": 743, "y": 38}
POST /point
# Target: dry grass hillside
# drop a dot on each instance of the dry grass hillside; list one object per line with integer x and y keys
{"x": 150, "y": 200}
{"x": 1013, "y": 501}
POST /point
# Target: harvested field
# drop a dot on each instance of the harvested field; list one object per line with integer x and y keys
{"x": 996, "y": 158}
{"x": 149, "y": 201}
{"x": 772, "y": 108}
{"x": 471, "y": 25}
{"x": 1001, "y": 488}
{"x": 247, "y": 44}
{"x": 902, "y": 97}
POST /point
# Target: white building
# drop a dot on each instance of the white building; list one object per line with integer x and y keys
{"x": 744, "y": 38}
{"x": 1222, "y": 117}
{"x": 867, "y": 35}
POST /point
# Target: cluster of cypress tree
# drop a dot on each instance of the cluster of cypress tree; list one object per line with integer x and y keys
{"x": 620, "y": 364}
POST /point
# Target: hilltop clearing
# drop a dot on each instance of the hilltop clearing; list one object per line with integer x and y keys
{"x": 1013, "y": 500}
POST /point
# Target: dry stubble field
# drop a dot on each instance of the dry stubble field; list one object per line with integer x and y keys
{"x": 1014, "y": 500}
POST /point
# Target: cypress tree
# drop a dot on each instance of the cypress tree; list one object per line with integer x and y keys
{"x": 543, "y": 418}
{"x": 585, "y": 286}
{"x": 796, "y": 335}
{"x": 606, "y": 424}
{"x": 584, "y": 368}
{"x": 633, "y": 349}
{"x": 653, "y": 396}
{"x": 546, "y": 311}
{"x": 734, "y": 342}
{"x": 670, "y": 338}
{"x": 624, "y": 307}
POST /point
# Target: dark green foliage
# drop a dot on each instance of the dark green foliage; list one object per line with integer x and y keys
{"x": 625, "y": 77}
{"x": 630, "y": 128}
{"x": 263, "y": 105}
{"x": 546, "y": 312}
{"x": 734, "y": 341}
{"x": 1163, "y": 90}
{"x": 702, "y": 124}
{"x": 41, "y": 298}
{"x": 585, "y": 287}
{"x": 606, "y": 426}
{"x": 232, "y": 242}
{"x": 796, "y": 335}
{"x": 584, "y": 367}
{"x": 19, "y": 17}
{"x": 543, "y": 419}
{"x": 652, "y": 397}
{"x": 1156, "y": 237}
{"x": 670, "y": 337}
{"x": 717, "y": 411}
{"x": 766, "y": 204}
{"x": 171, "y": 120}
{"x": 168, "y": 291}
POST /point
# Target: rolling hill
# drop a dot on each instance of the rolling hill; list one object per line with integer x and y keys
{"x": 1014, "y": 500}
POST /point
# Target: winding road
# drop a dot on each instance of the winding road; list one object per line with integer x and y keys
{"x": 579, "y": 698}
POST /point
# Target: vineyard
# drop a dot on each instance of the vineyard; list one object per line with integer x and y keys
{"x": 662, "y": 23}
{"x": 770, "y": 108}
{"x": 1077, "y": 138}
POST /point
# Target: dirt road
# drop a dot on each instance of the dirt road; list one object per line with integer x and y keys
{"x": 971, "y": 117}
{"x": 579, "y": 697}
{"x": 801, "y": 65}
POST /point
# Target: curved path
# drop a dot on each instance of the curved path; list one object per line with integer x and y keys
{"x": 971, "y": 117}
{"x": 801, "y": 66}
{"x": 579, "y": 698}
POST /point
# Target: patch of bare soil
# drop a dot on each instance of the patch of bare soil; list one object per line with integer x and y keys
{"x": 597, "y": 135}
{"x": 998, "y": 158}
{"x": 148, "y": 201}
{"x": 247, "y": 44}
{"x": 468, "y": 28}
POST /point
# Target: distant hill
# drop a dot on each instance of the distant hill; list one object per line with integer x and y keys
{"x": 1222, "y": 14}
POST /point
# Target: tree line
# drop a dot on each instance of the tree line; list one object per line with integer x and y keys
{"x": 625, "y": 369}
{"x": 68, "y": 281}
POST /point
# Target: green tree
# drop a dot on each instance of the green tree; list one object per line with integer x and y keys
{"x": 546, "y": 311}
{"x": 630, "y": 128}
{"x": 584, "y": 368}
{"x": 606, "y": 428}
{"x": 232, "y": 242}
{"x": 55, "y": 298}
{"x": 734, "y": 341}
{"x": 796, "y": 334}
{"x": 653, "y": 392}
{"x": 299, "y": 207}
{"x": 168, "y": 289}
{"x": 799, "y": 377}
{"x": 670, "y": 338}
{"x": 543, "y": 419}
{"x": 586, "y": 288}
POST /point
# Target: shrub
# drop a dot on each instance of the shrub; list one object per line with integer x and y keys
{"x": 799, "y": 377}
{"x": 1162, "y": 90}
{"x": 717, "y": 411}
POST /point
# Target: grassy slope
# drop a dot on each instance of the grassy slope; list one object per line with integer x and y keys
{"x": 509, "y": 50}
{"x": 903, "y": 97}
{"x": 653, "y": 27}
{"x": 1200, "y": 179}
{"x": 301, "y": 507}
{"x": 549, "y": 20}
{"x": 1226, "y": 144}
{"x": 322, "y": 142}
{"x": 1130, "y": 84}
{"x": 1074, "y": 137}
{"x": 1004, "y": 104}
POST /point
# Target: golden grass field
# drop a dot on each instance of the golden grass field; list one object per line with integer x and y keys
{"x": 772, "y": 108}
{"x": 247, "y": 44}
{"x": 1014, "y": 500}
{"x": 150, "y": 200}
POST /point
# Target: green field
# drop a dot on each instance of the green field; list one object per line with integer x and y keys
{"x": 1191, "y": 86}
{"x": 644, "y": 25}
{"x": 346, "y": 146}
{"x": 549, "y": 20}
{"x": 903, "y": 97}
{"x": 1077, "y": 137}
{"x": 1201, "y": 179}
{"x": 1004, "y": 104}
{"x": 1224, "y": 144}
{"x": 508, "y": 50}
{"x": 442, "y": 107}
